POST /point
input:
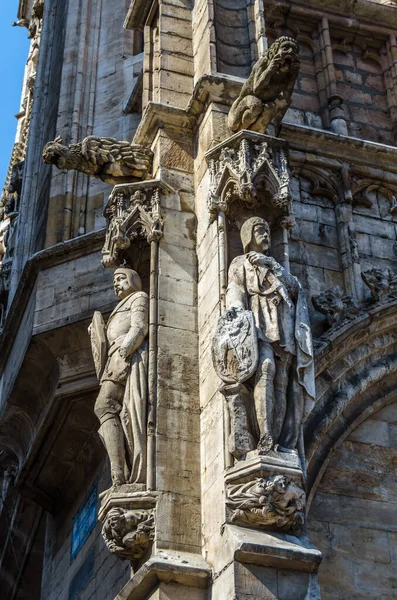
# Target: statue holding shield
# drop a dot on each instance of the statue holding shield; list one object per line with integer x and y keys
{"x": 120, "y": 355}
{"x": 262, "y": 349}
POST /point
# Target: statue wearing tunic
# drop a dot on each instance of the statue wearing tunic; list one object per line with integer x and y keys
{"x": 121, "y": 405}
{"x": 285, "y": 365}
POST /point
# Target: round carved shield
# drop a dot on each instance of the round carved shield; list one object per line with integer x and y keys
{"x": 235, "y": 346}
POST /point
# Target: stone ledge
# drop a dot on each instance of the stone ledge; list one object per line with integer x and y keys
{"x": 137, "y": 14}
{"x": 219, "y": 88}
{"x": 273, "y": 550}
{"x": 54, "y": 255}
{"x": 167, "y": 566}
{"x": 356, "y": 16}
{"x": 304, "y": 142}
{"x": 311, "y": 142}
{"x": 264, "y": 465}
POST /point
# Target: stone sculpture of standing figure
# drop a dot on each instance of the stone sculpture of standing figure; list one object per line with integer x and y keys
{"x": 285, "y": 372}
{"x": 120, "y": 356}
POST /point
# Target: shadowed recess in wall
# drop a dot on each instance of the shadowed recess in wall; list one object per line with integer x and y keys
{"x": 233, "y": 40}
{"x": 82, "y": 576}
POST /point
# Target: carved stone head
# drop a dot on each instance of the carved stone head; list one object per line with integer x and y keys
{"x": 287, "y": 51}
{"x": 255, "y": 235}
{"x": 126, "y": 281}
{"x": 55, "y": 153}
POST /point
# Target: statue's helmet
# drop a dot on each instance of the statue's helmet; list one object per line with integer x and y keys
{"x": 247, "y": 230}
{"x": 134, "y": 280}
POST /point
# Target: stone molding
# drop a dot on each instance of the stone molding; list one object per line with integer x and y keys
{"x": 303, "y": 141}
{"x": 356, "y": 369}
{"x": 167, "y": 566}
{"x": 217, "y": 87}
{"x": 58, "y": 254}
{"x": 281, "y": 551}
{"x": 366, "y": 16}
{"x": 137, "y": 14}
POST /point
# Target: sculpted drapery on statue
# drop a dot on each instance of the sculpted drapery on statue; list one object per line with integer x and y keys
{"x": 266, "y": 95}
{"x": 120, "y": 355}
{"x": 282, "y": 361}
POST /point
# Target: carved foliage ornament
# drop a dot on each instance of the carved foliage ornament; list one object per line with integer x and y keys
{"x": 129, "y": 533}
{"x": 245, "y": 165}
{"x": 267, "y": 503}
{"x": 130, "y": 213}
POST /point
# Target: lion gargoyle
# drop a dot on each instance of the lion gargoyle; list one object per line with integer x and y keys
{"x": 266, "y": 95}
{"x": 105, "y": 158}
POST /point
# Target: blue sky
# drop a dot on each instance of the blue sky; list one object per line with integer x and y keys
{"x": 14, "y": 48}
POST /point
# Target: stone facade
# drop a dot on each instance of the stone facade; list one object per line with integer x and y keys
{"x": 265, "y": 470}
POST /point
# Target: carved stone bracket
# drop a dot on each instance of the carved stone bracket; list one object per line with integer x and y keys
{"x": 266, "y": 492}
{"x": 249, "y": 168}
{"x": 128, "y": 518}
{"x": 133, "y": 211}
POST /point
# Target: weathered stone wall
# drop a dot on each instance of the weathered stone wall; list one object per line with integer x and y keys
{"x": 314, "y": 242}
{"x": 344, "y": 202}
{"x": 361, "y": 84}
{"x": 99, "y": 72}
{"x": 352, "y": 517}
{"x": 71, "y": 291}
{"x": 94, "y": 572}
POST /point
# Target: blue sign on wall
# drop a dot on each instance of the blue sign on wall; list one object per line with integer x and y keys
{"x": 84, "y": 522}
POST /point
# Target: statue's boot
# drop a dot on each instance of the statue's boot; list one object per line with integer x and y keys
{"x": 112, "y": 436}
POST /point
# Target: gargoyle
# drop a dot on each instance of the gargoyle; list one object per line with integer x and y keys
{"x": 381, "y": 282}
{"x": 266, "y": 95}
{"x": 105, "y": 158}
{"x": 336, "y": 305}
